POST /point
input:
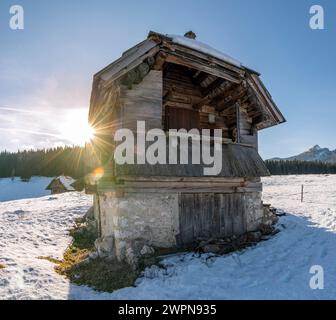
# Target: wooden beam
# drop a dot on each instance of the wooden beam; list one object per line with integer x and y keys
{"x": 208, "y": 81}
{"x": 196, "y": 74}
{"x": 231, "y": 99}
{"x": 110, "y": 188}
{"x": 237, "y": 106}
{"x": 201, "y": 76}
{"x": 190, "y": 52}
{"x": 192, "y": 63}
{"x": 217, "y": 91}
{"x": 258, "y": 119}
{"x": 230, "y": 111}
{"x": 262, "y": 101}
{"x": 122, "y": 71}
{"x": 218, "y": 82}
{"x": 256, "y": 110}
{"x": 268, "y": 98}
{"x": 136, "y": 75}
{"x": 160, "y": 59}
{"x": 231, "y": 180}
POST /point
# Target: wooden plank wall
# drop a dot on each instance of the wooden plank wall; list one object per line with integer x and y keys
{"x": 211, "y": 215}
{"x": 248, "y": 134}
{"x": 143, "y": 102}
{"x": 219, "y": 123}
{"x": 177, "y": 118}
{"x": 179, "y": 91}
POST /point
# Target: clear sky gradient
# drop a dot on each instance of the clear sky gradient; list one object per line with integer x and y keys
{"x": 46, "y": 69}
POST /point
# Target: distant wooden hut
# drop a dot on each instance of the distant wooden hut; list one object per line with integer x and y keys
{"x": 61, "y": 184}
{"x": 175, "y": 82}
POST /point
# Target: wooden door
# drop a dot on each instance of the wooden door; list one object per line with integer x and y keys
{"x": 211, "y": 215}
{"x": 179, "y": 118}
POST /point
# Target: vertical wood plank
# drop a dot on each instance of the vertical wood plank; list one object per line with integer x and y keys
{"x": 216, "y": 221}
{"x": 197, "y": 215}
{"x": 229, "y": 215}
{"x": 209, "y": 215}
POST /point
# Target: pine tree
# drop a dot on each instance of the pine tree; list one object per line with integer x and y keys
{"x": 47, "y": 162}
{"x": 285, "y": 167}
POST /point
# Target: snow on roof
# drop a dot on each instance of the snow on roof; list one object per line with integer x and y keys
{"x": 67, "y": 181}
{"x": 204, "y": 48}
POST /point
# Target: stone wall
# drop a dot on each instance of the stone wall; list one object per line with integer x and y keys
{"x": 136, "y": 222}
{"x": 254, "y": 210}
{"x": 133, "y": 224}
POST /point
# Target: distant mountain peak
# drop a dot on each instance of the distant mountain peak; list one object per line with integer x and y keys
{"x": 315, "y": 153}
{"x": 316, "y": 148}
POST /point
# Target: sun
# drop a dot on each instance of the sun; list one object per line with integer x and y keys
{"x": 76, "y": 128}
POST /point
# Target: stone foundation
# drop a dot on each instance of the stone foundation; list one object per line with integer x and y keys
{"x": 254, "y": 210}
{"x": 133, "y": 224}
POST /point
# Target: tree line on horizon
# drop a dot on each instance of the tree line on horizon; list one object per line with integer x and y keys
{"x": 286, "y": 167}
{"x": 70, "y": 161}
{"x": 50, "y": 162}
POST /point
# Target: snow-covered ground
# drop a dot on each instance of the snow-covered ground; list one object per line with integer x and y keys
{"x": 274, "y": 269}
{"x": 17, "y": 189}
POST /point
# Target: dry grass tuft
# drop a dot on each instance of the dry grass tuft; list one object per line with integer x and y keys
{"x": 100, "y": 274}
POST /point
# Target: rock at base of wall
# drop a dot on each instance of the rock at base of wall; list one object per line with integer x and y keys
{"x": 147, "y": 251}
{"x": 270, "y": 215}
{"x": 105, "y": 247}
{"x": 265, "y": 231}
{"x": 89, "y": 215}
{"x": 230, "y": 244}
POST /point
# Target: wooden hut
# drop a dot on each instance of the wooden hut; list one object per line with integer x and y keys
{"x": 61, "y": 184}
{"x": 176, "y": 82}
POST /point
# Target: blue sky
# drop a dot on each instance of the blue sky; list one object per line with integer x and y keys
{"x": 46, "y": 69}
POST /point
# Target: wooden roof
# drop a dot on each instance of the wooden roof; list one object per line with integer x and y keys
{"x": 205, "y": 61}
{"x": 65, "y": 181}
{"x": 237, "y": 161}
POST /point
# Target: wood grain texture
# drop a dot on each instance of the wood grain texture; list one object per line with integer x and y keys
{"x": 211, "y": 215}
{"x": 143, "y": 102}
{"x": 237, "y": 161}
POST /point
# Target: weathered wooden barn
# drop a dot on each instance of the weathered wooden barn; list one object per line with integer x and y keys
{"x": 61, "y": 184}
{"x": 175, "y": 82}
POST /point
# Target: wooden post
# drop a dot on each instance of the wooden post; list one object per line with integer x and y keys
{"x": 301, "y": 193}
{"x": 238, "y": 121}
{"x": 99, "y": 217}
